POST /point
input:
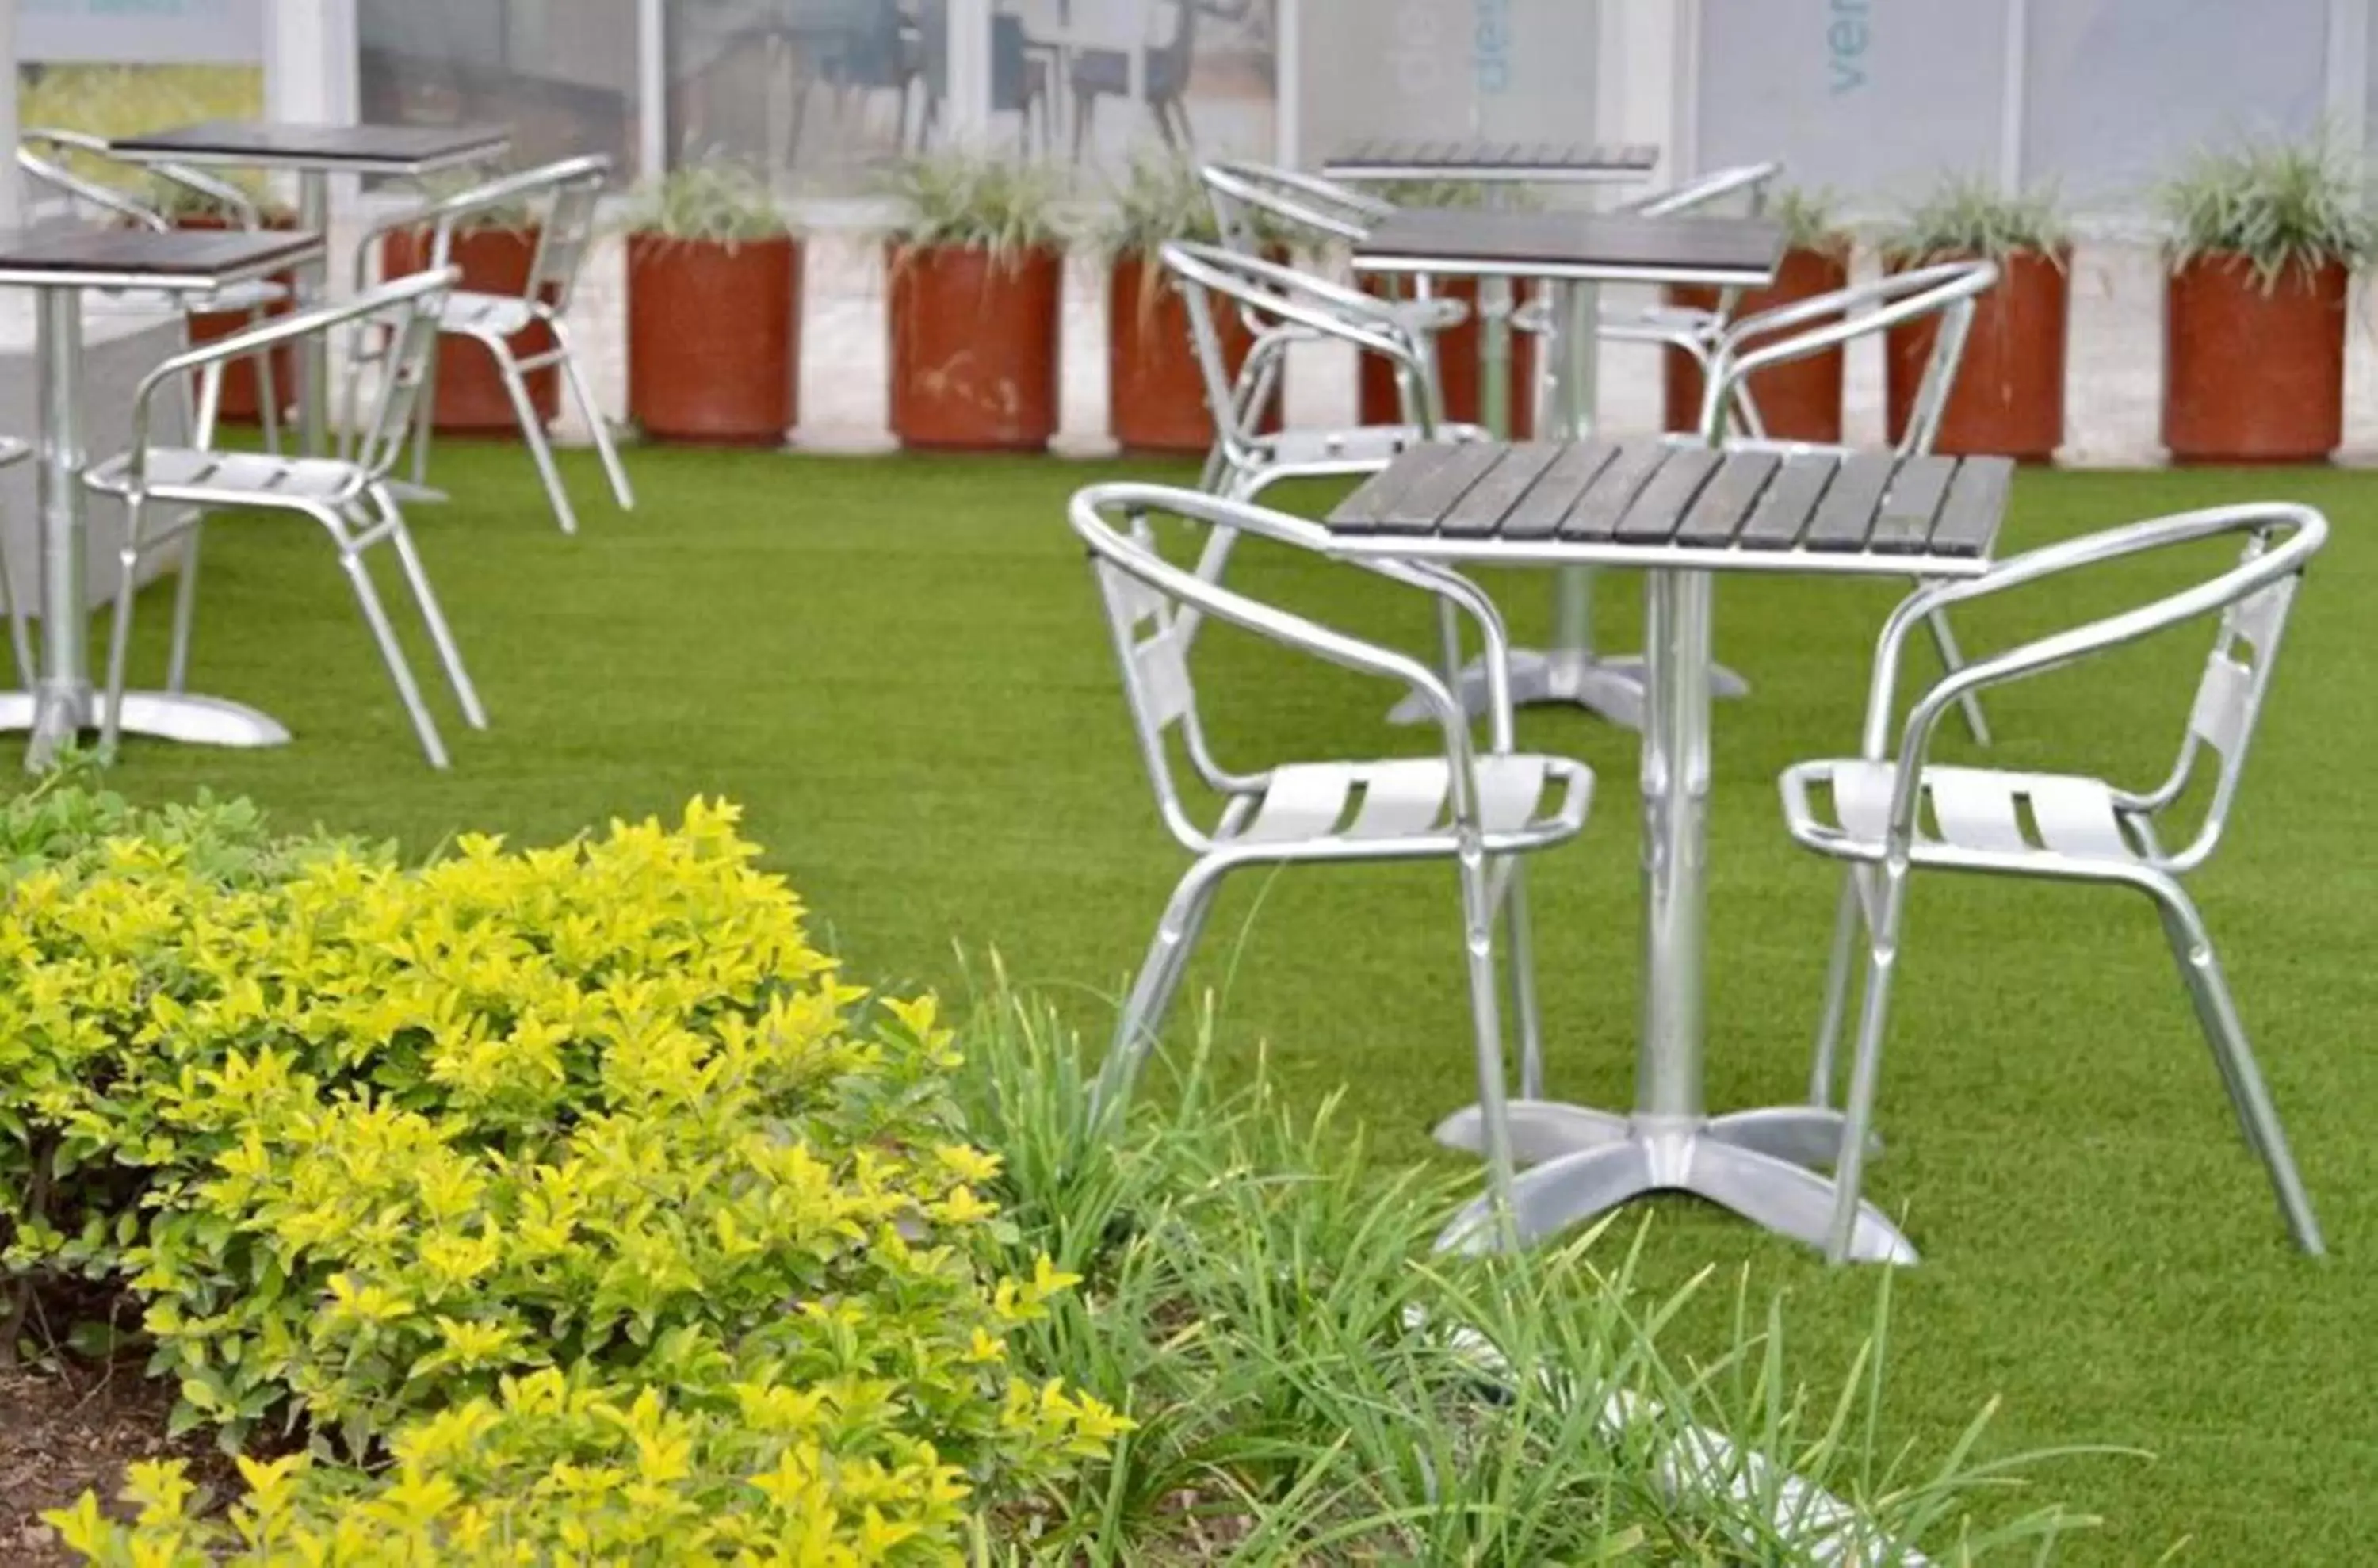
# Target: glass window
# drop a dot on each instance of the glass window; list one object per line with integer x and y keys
{"x": 1419, "y": 69}
{"x": 1196, "y": 76}
{"x": 561, "y": 73}
{"x": 813, "y": 90}
{"x": 1875, "y": 99}
{"x": 2119, "y": 91}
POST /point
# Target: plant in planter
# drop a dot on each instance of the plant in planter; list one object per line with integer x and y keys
{"x": 189, "y": 206}
{"x": 1801, "y": 400}
{"x": 2009, "y": 396}
{"x": 714, "y": 308}
{"x": 1156, "y": 394}
{"x": 495, "y": 248}
{"x": 977, "y": 270}
{"x": 2264, "y": 242}
{"x": 1459, "y": 369}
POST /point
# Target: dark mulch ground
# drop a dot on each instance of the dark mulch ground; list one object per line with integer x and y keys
{"x": 63, "y": 1433}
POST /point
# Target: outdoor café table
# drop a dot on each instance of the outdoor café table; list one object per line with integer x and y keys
{"x": 1681, "y": 513}
{"x": 1575, "y": 252}
{"x": 58, "y": 262}
{"x": 314, "y": 153}
{"x": 1510, "y": 163}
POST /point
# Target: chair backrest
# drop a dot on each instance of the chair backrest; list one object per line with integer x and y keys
{"x": 1278, "y": 303}
{"x": 1946, "y": 290}
{"x": 408, "y": 310}
{"x": 1326, "y": 210}
{"x": 42, "y": 153}
{"x": 1698, "y": 195}
{"x": 561, "y": 195}
{"x": 1152, "y": 610}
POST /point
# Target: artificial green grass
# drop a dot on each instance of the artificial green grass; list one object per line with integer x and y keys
{"x": 897, "y": 666}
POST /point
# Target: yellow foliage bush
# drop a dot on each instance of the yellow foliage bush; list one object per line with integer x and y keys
{"x": 566, "y": 1200}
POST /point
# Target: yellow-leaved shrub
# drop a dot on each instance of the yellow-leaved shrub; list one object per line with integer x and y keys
{"x": 567, "y": 1201}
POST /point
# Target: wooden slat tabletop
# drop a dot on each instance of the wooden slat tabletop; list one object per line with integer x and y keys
{"x": 1673, "y": 249}
{"x": 1656, "y": 502}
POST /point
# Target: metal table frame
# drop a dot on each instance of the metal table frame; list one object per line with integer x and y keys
{"x": 1755, "y": 1163}
{"x": 1572, "y": 670}
{"x": 61, "y": 702}
{"x": 313, "y": 172}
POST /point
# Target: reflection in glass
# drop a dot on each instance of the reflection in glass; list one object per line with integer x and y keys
{"x": 561, "y": 73}
{"x": 821, "y": 89}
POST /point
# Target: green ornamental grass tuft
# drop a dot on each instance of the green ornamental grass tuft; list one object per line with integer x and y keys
{"x": 712, "y": 201}
{"x": 2277, "y": 207}
{"x": 976, "y": 202}
{"x": 1969, "y": 215}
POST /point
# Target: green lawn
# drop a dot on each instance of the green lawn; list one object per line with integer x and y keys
{"x": 898, "y": 667}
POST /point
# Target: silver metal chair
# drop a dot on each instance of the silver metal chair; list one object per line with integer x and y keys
{"x": 1282, "y": 305}
{"x": 1892, "y": 810}
{"x": 1946, "y": 289}
{"x": 563, "y": 196}
{"x": 347, "y": 495}
{"x": 1688, "y": 327}
{"x": 42, "y": 155}
{"x": 20, "y": 642}
{"x": 1480, "y": 810}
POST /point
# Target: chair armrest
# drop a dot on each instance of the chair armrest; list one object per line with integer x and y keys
{"x": 2060, "y": 649}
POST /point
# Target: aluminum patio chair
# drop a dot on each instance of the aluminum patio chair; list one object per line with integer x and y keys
{"x": 20, "y": 642}
{"x": 1689, "y": 329}
{"x": 1283, "y": 305}
{"x": 43, "y": 156}
{"x": 348, "y": 495}
{"x": 562, "y": 197}
{"x": 1946, "y": 290}
{"x": 1892, "y": 810}
{"x": 1480, "y": 809}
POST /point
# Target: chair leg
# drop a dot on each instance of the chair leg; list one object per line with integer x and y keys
{"x": 424, "y": 411}
{"x": 1494, "y": 1105}
{"x": 119, "y": 627}
{"x": 391, "y": 654}
{"x": 1952, "y": 659}
{"x": 268, "y": 392}
{"x": 2216, "y": 1012}
{"x": 21, "y": 638}
{"x": 1866, "y": 1063}
{"x": 604, "y": 446}
{"x": 540, "y": 446}
{"x": 1519, "y": 938}
{"x": 186, "y": 605}
{"x": 1151, "y": 992}
{"x": 426, "y": 601}
{"x": 1837, "y": 990}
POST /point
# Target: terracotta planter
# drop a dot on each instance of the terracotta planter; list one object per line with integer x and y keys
{"x": 1457, "y": 366}
{"x": 1799, "y": 402}
{"x": 470, "y": 397}
{"x": 2250, "y": 377}
{"x": 1156, "y": 394}
{"x": 974, "y": 348}
{"x": 2009, "y": 395}
{"x": 242, "y": 403}
{"x": 713, "y": 337}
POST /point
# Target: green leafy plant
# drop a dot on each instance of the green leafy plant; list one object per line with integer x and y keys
{"x": 975, "y": 202}
{"x": 566, "y": 1195}
{"x": 1969, "y": 215}
{"x": 710, "y": 201}
{"x": 1310, "y": 1382}
{"x": 1811, "y": 220}
{"x": 2277, "y": 207}
{"x": 1158, "y": 200}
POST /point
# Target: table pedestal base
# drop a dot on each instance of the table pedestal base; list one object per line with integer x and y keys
{"x": 167, "y": 716}
{"x": 1755, "y": 1163}
{"x": 1609, "y": 686}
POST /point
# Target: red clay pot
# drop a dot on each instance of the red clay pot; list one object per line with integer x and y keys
{"x": 242, "y": 403}
{"x": 1457, "y": 366}
{"x": 1156, "y": 394}
{"x": 974, "y": 348}
{"x": 713, "y": 338}
{"x": 470, "y": 397}
{"x": 2009, "y": 396}
{"x": 1799, "y": 402}
{"x": 2250, "y": 377}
